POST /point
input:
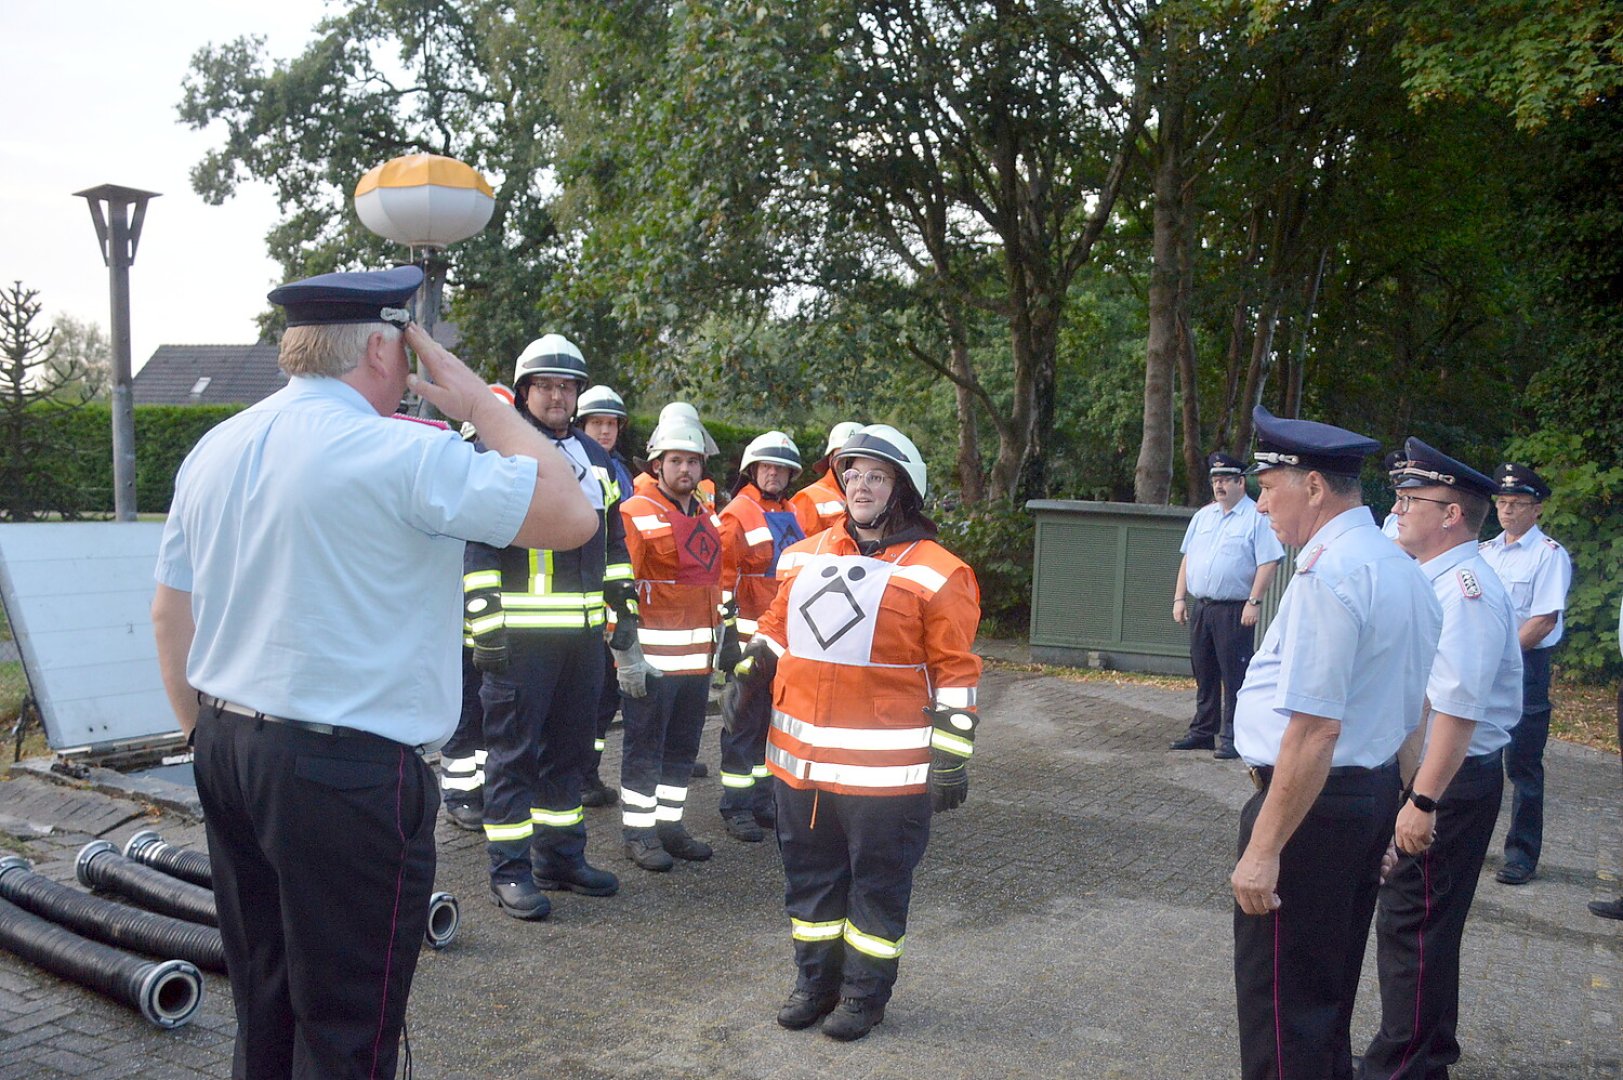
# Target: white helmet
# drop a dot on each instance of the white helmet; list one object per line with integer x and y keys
{"x": 774, "y": 448}
{"x": 600, "y": 401}
{"x": 677, "y": 434}
{"x": 885, "y": 443}
{"x": 553, "y": 355}
{"x": 685, "y": 413}
{"x": 839, "y": 433}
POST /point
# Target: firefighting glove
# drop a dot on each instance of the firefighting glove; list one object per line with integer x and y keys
{"x": 631, "y": 668}
{"x": 746, "y": 700}
{"x": 952, "y": 741}
{"x": 621, "y": 595}
{"x": 729, "y": 655}
{"x": 482, "y": 611}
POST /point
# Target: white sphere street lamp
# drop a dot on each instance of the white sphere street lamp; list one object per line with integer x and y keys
{"x": 427, "y": 202}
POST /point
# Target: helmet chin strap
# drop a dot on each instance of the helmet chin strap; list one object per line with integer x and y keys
{"x": 879, "y": 519}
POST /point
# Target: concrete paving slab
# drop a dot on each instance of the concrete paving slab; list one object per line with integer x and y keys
{"x": 1073, "y": 919}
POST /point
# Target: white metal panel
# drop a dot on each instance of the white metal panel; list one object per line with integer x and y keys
{"x": 79, "y": 598}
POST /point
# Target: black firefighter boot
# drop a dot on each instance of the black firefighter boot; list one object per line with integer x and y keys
{"x": 510, "y": 886}
{"x": 594, "y": 792}
{"x": 559, "y": 858}
{"x": 680, "y": 844}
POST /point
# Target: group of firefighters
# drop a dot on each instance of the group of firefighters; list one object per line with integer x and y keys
{"x": 842, "y": 632}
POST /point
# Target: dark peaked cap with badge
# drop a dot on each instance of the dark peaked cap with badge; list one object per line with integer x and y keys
{"x": 1424, "y": 466}
{"x": 1221, "y": 464}
{"x": 363, "y": 296}
{"x": 1513, "y": 479}
{"x": 1307, "y": 444}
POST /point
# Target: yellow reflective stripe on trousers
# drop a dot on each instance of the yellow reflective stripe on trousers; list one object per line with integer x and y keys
{"x": 760, "y": 772}
{"x": 474, "y": 580}
{"x": 801, "y": 930}
{"x": 873, "y": 946}
{"x": 557, "y": 819}
{"x": 518, "y": 830}
{"x": 737, "y": 780}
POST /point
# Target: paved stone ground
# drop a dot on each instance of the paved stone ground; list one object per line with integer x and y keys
{"x": 1072, "y": 920}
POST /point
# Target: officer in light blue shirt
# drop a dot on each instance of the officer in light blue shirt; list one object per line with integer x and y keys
{"x": 307, "y": 617}
{"x": 1332, "y": 692}
{"x": 1445, "y": 824}
{"x": 1229, "y": 558}
{"x": 1537, "y": 573}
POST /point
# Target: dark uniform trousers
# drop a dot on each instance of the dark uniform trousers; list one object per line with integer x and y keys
{"x": 1296, "y": 969}
{"x": 469, "y": 737}
{"x": 662, "y": 733}
{"x": 608, "y": 703}
{"x": 1220, "y": 650}
{"x": 851, "y": 858}
{"x": 539, "y": 715}
{"x": 1418, "y": 927}
{"x": 743, "y": 754}
{"x": 322, "y": 848}
{"x": 1524, "y": 762}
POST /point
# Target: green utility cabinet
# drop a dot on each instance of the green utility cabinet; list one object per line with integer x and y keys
{"x": 1103, "y": 575}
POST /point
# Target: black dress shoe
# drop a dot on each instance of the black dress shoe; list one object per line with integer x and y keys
{"x": 853, "y": 1018}
{"x": 1194, "y": 742}
{"x": 804, "y": 1008}
{"x": 1226, "y": 752}
{"x": 1607, "y": 909}
{"x": 1515, "y": 874}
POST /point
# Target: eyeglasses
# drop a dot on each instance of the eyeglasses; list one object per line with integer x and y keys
{"x": 1406, "y": 503}
{"x": 873, "y": 478}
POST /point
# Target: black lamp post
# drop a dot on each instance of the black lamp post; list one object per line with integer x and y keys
{"x": 118, "y": 231}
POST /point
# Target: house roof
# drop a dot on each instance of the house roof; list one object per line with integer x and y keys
{"x": 234, "y": 374}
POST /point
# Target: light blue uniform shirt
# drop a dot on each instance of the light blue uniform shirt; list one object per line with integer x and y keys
{"x": 1224, "y": 549}
{"x": 1478, "y": 672}
{"x": 1538, "y": 574}
{"x": 1353, "y": 641}
{"x": 322, "y": 547}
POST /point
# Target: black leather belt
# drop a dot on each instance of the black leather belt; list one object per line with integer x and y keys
{"x": 1261, "y": 775}
{"x": 1209, "y": 600}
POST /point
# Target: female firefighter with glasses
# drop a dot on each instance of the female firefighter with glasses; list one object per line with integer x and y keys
{"x": 866, "y": 657}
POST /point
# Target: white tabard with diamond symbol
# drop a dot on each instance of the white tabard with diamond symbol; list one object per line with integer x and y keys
{"x": 833, "y": 605}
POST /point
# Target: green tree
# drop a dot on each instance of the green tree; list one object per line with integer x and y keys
{"x": 81, "y": 359}
{"x": 36, "y": 397}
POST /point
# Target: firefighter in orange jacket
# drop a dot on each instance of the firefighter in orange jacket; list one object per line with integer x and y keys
{"x": 681, "y": 412}
{"x": 757, "y": 524}
{"x": 867, "y": 648}
{"x": 821, "y": 503}
{"x": 675, "y": 546}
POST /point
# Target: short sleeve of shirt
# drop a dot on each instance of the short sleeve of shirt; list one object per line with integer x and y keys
{"x": 1317, "y": 651}
{"x": 459, "y": 492}
{"x": 1467, "y": 661}
{"x": 1189, "y": 533}
{"x": 1550, "y": 584}
{"x": 1264, "y": 543}
{"x": 174, "y": 567}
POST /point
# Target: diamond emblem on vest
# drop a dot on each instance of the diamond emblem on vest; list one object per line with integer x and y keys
{"x": 703, "y": 547}
{"x": 832, "y": 612}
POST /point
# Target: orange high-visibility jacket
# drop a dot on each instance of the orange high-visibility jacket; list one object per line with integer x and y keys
{"x": 820, "y": 504}
{"x": 676, "y": 560}
{"x": 865, "y": 645}
{"x": 750, "y": 551}
{"x": 645, "y": 483}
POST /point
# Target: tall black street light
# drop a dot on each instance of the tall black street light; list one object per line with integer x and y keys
{"x": 118, "y": 231}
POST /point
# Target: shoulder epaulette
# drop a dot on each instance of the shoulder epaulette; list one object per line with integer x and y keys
{"x": 1470, "y": 588}
{"x": 1312, "y": 557}
{"x": 1552, "y": 543}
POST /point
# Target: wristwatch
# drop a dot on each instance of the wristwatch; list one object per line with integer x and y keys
{"x": 1254, "y": 601}
{"x": 1425, "y": 804}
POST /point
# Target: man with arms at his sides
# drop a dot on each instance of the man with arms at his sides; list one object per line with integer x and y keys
{"x": 307, "y": 621}
{"x": 1537, "y": 573}
{"x": 1332, "y": 692}
{"x": 1443, "y": 828}
{"x": 1229, "y": 558}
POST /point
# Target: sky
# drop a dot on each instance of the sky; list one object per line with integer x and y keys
{"x": 90, "y": 89}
